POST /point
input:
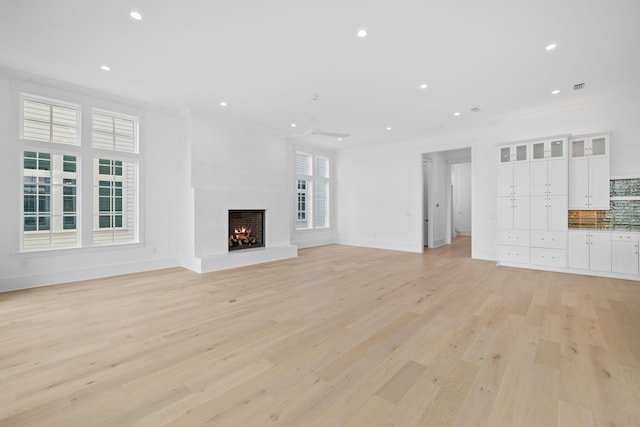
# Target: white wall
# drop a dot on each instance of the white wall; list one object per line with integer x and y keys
{"x": 380, "y": 188}
{"x": 163, "y": 180}
{"x": 237, "y": 166}
{"x": 379, "y": 198}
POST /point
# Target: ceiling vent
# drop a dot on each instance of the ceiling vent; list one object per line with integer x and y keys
{"x": 474, "y": 110}
{"x": 578, "y": 86}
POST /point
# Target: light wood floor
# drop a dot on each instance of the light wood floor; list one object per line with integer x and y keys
{"x": 338, "y": 336}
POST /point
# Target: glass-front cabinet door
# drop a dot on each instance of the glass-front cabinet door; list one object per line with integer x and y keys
{"x": 513, "y": 153}
{"x": 538, "y": 150}
{"x": 599, "y": 146}
{"x": 557, "y": 148}
{"x": 549, "y": 149}
{"x": 578, "y": 148}
{"x": 590, "y": 146}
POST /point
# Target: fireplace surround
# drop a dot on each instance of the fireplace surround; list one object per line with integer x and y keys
{"x": 246, "y": 229}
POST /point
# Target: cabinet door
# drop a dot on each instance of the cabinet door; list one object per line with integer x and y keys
{"x": 599, "y": 146}
{"x": 505, "y": 213}
{"x": 600, "y": 252}
{"x": 624, "y": 257}
{"x": 557, "y": 215}
{"x": 557, "y": 173}
{"x": 557, "y": 148}
{"x": 521, "y": 179}
{"x": 539, "y": 179}
{"x": 521, "y": 213}
{"x": 539, "y": 211}
{"x": 599, "y": 182}
{"x": 579, "y": 183}
{"x": 505, "y": 180}
{"x": 505, "y": 154}
{"x": 579, "y": 148}
{"x": 578, "y": 250}
{"x": 538, "y": 150}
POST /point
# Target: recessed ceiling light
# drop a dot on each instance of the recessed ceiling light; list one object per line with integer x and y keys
{"x": 423, "y": 86}
{"x": 293, "y": 125}
{"x": 339, "y": 139}
{"x": 362, "y": 33}
{"x": 105, "y": 68}
{"x": 551, "y": 46}
{"x": 223, "y": 104}
{"x": 388, "y": 127}
{"x": 555, "y": 92}
{"x": 135, "y": 15}
{"x": 457, "y": 113}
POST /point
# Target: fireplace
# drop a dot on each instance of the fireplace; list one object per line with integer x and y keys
{"x": 246, "y": 229}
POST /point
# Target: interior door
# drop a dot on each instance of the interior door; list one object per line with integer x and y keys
{"x": 426, "y": 169}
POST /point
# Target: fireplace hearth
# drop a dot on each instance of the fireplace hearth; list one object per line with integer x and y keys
{"x": 246, "y": 229}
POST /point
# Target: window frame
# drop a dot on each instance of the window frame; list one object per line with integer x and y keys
{"x": 53, "y": 102}
{"x": 313, "y": 181}
{"x": 84, "y": 153}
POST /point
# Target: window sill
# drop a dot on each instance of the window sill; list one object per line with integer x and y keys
{"x": 307, "y": 230}
{"x": 74, "y": 250}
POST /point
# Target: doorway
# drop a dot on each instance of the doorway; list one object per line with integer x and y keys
{"x": 446, "y": 196}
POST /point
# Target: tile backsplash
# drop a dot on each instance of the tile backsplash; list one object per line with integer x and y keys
{"x": 624, "y": 214}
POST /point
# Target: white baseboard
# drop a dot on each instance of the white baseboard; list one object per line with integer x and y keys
{"x": 57, "y": 277}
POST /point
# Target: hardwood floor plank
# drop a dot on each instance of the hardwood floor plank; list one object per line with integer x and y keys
{"x": 338, "y": 336}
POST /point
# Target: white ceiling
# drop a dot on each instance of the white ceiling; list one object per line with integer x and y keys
{"x": 266, "y": 58}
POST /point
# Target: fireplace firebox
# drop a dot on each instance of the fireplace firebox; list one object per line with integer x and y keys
{"x": 246, "y": 229}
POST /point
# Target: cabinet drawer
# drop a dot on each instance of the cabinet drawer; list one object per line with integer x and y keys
{"x": 625, "y": 237}
{"x": 513, "y": 254}
{"x": 549, "y": 239}
{"x": 549, "y": 257}
{"x": 513, "y": 237}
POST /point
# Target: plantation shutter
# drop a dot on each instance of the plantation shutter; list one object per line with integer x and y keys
{"x": 113, "y": 132}
{"x": 47, "y": 122}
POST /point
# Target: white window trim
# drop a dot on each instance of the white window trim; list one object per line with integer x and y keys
{"x": 312, "y": 180}
{"x": 85, "y": 153}
{"x": 52, "y": 101}
{"x": 136, "y": 120}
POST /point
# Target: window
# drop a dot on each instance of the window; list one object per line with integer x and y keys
{"x": 49, "y": 200}
{"x": 312, "y": 191}
{"x": 113, "y": 132}
{"x": 114, "y": 201}
{"x": 52, "y": 186}
{"x": 50, "y": 121}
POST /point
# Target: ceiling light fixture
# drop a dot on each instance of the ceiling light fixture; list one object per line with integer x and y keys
{"x": 555, "y": 92}
{"x": 135, "y": 15}
{"x": 551, "y": 46}
{"x": 362, "y": 33}
{"x": 423, "y": 86}
{"x": 339, "y": 139}
{"x": 293, "y": 125}
{"x": 105, "y": 68}
{"x": 388, "y": 127}
{"x": 223, "y": 104}
{"x": 457, "y": 113}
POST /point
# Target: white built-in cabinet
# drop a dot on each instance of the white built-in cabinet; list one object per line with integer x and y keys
{"x": 624, "y": 252}
{"x": 548, "y": 214}
{"x": 549, "y": 169}
{"x": 514, "y": 203}
{"x": 590, "y": 250}
{"x": 604, "y": 251}
{"x": 532, "y": 188}
{"x": 513, "y": 187}
{"x": 538, "y": 182}
{"x": 589, "y": 173}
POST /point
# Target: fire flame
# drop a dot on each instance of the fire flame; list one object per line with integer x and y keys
{"x": 242, "y": 232}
